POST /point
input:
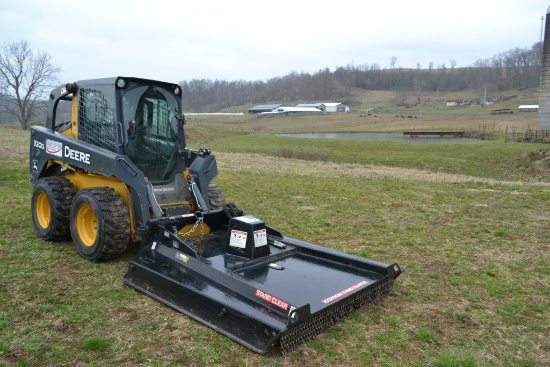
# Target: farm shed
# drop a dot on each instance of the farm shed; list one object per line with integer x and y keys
{"x": 285, "y": 111}
{"x": 264, "y": 108}
{"x": 327, "y": 106}
{"x": 298, "y": 109}
{"x": 336, "y": 107}
{"x": 528, "y": 108}
{"x": 319, "y": 106}
{"x": 458, "y": 103}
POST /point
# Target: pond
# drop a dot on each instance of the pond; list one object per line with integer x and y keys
{"x": 399, "y": 137}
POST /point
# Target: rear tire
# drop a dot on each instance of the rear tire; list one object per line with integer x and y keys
{"x": 217, "y": 201}
{"x": 215, "y": 197}
{"x": 50, "y": 208}
{"x": 100, "y": 224}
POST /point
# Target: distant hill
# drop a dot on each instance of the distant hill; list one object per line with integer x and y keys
{"x": 516, "y": 69}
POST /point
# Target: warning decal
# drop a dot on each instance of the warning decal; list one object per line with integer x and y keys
{"x": 273, "y": 300}
{"x": 260, "y": 238}
{"x": 238, "y": 238}
{"x": 181, "y": 257}
{"x": 345, "y": 291}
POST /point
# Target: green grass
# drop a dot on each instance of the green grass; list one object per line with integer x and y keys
{"x": 489, "y": 159}
{"x": 455, "y": 358}
{"x": 475, "y": 254}
{"x": 96, "y": 344}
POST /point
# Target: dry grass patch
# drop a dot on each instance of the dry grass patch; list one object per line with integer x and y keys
{"x": 255, "y": 164}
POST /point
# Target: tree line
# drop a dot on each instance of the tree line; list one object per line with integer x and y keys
{"x": 27, "y": 76}
{"x": 512, "y": 69}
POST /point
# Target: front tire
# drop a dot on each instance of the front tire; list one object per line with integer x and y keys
{"x": 50, "y": 207}
{"x": 100, "y": 224}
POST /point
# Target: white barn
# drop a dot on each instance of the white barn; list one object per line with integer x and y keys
{"x": 327, "y": 106}
{"x": 528, "y": 108}
{"x": 291, "y": 110}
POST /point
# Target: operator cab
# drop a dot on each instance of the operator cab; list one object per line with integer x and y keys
{"x": 151, "y": 129}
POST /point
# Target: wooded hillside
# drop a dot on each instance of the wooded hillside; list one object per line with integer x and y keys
{"x": 513, "y": 69}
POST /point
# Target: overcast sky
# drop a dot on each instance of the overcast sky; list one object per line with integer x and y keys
{"x": 174, "y": 40}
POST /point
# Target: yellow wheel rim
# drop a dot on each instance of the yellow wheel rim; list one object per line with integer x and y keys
{"x": 42, "y": 210}
{"x": 86, "y": 224}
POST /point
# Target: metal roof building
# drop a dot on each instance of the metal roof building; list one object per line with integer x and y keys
{"x": 528, "y": 108}
{"x": 333, "y": 107}
{"x": 285, "y": 111}
{"x": 327, "y": 106}
{"x": 264, "y": 108}
{"x": 319, "y": 106}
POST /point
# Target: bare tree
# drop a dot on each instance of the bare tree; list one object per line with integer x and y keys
{"x": 418, "y": 82}
{"x": 452, "y": 74}
{"x": 25, "y": 76}
{"x": 393, "y": 60}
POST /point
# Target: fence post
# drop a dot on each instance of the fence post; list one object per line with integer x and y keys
{"x": 506, "y": 135}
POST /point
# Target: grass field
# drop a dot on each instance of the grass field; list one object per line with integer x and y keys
{"x": 468, "y": 223}
{"x": 357, "y": 122}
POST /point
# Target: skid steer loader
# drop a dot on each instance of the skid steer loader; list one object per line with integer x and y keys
{"x": 119, "y": 171}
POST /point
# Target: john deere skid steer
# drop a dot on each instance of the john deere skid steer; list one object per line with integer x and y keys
{"x": 118, "y": 171}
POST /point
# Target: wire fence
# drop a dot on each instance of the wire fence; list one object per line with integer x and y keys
{"x": 515, "y": 135}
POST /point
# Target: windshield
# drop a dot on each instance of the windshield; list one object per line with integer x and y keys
{"x": 151, "y": 131}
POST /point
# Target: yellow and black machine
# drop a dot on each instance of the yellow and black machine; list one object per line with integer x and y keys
{"x": 118, "y": 171}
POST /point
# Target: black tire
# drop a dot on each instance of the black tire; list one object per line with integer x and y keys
{"x": 100, "y": 224}
{"x": 217, "y": 201}
{"x": 50, "y": 208}
{"x": 215, "y": 197}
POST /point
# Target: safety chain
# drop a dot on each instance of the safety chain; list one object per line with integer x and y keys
{"x": 200, "y": 221}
